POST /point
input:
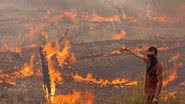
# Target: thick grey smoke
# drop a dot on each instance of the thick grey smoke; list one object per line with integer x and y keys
{"x": 17, "y": 14}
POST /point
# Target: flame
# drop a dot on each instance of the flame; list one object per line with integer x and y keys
{"x": 95, "y": 18}
{"x": 44, "y": 35}
{"x": 89, "y": 79}
{"x": 164, "y": 48}
{"x": 175, "y": 58}
{"x": 182, "y": 83}
{"x": 17, "y": 50}
{"x": 64, "y": 54}
{"x": 27, "y": 69}
{"x": 10, "y": 82}
{"x": 72, "y": 98}
{"x": 7, "y": 78}
{"x": 115, "y": 52}
{"x": 24, "y": 72}
{"x": 60, "y": 55}
{"x": 120, "y": 35}
{"x": 132, "y": 83}
{"x": 170, "y": 95}
{"x": 55, "y": 76}
{"x": 1, "y": 81}
{"x": 173, "y": 75}
{"x": 161, "y": 19}
{"x": 34, "y": 28}
{"x": 143, "y": 48}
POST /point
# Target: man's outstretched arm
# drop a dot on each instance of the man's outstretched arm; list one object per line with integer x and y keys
{"x": 132, "y": 52}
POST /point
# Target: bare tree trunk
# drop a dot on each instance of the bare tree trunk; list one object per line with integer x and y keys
{"x": 45, "y": 70}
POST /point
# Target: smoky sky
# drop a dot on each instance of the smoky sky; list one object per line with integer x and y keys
{"x": 15, "y": 14}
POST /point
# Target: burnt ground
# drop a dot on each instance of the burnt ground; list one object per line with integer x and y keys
{"x": 116, "y": 66}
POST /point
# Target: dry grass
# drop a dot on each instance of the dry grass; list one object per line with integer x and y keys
{"x": 135, "y": 96}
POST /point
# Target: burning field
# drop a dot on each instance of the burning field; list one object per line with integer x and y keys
{"x": 68, "y": 51}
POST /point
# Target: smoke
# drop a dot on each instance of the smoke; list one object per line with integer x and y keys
{"x": 17, "y": 14}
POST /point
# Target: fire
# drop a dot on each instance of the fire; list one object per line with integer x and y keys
{"x": 120, "y": 35}
{"x": 170, "y": 95}
{"x": 64, "y": 54}
{"x": 115, "y": 52}
{"x": 89, "y": 79}
{"x": 35, "y": 28}
{"x": 163, "y": 48}
{"x": 95, "y": 18}
{"x": 182, "y": 83}
{"x": 173, "y": 74}
{"x": 70, "y": 15}
{"x": 24, "y": 72}
{"x": 132, "y": 83}
{"x": 54, "y": 75}
{"x": 17, "y": 50}
{"x": 10, "y": 82}
{"x": 27, "y": 69}
{"x": 143, "y": 48}
{"x": 161, "y": 19}
{"x": 175, "y": 58}
{"x": 75, "y": 96}
{"x": 61, "y": 55}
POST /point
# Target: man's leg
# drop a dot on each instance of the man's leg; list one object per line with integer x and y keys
{"x": 149, "y": 99}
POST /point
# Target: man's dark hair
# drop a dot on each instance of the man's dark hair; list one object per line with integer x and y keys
{"x": 153, "y": 49}
{"x": 153, "y": 60}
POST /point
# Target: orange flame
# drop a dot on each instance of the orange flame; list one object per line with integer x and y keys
{"x": 173, "y": 75}
{"x": 72, "y": 98}
{"x": 175, "y": 58}
{"x": 55, "y": 76}
{"x": 89, "y": 79}
{"x": 64, "y": 54}
{"x": 182, "y": 83}
{"x": 27, "y": 69}
{"x": 33, "y": 29}
{"x": 142, "y": 48}
{"x": 161, "y": 19}
{"x": 95, "y": 18}
{"x": 170, "y": 95}
{"x": 120, "y": 35}
{"x": 163, "y": 48}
